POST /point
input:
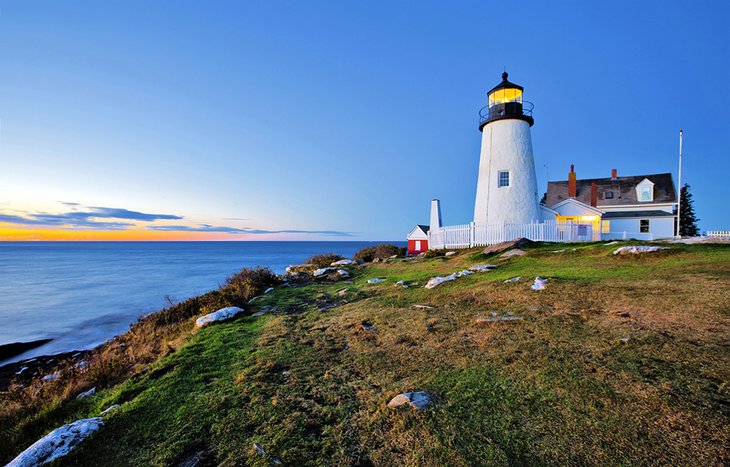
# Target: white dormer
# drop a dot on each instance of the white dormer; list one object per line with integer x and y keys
{"x": 645, "y": 191}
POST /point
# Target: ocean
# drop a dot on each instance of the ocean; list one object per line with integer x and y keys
{"x": 82, "y": 293}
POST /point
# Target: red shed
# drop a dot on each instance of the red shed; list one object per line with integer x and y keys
{"x": 418, "y": 240}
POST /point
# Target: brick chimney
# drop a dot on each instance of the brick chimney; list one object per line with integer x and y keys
{"x": 594, "y": 194}
{"x": 572, "y": 188}
{"x": 614, "y": 174}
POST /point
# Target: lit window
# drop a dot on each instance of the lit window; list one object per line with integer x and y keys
{"x": 608, "y": 195}
{"x": 644, "y": 226}
{"x": 504, "y": 95}
{"x": 503, "y": 179}
{"x": 605, "y": 227}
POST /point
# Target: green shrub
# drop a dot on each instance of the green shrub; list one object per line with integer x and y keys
{"x": 384, "y": 250}
{"x": 324, "y": 260}
{"x": 243, "y": 286}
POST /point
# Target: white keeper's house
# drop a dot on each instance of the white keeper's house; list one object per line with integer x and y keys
{"x": 507, "y": 204}
{"x": 639, "y": 206}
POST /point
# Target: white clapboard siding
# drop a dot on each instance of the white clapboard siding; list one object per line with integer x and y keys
{"x": 471, "y": 235}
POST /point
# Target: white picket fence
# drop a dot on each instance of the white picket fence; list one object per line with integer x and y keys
{"x": 472, "y": 235}
{"x": 719, "y": 233}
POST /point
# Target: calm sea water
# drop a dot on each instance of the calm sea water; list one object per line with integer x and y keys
{"x": 81, "y": 294}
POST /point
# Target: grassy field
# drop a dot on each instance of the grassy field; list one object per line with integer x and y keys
{"x": 620, "y": 360}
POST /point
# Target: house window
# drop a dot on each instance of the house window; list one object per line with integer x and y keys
{"x": 503, "y": 178}
{"x": 646, "y": 194}
{"x": 608, "y": 195}
{"x": 418, "y": 245}
{"x": 644, "y": 226}
{"x": 605, "y": 227}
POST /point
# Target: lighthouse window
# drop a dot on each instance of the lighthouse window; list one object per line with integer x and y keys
{"x": 503, "y": 178}
{"x": 501, "y": 96}
{"x": 644, "y": 226}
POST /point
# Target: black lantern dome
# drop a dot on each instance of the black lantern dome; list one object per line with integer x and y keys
{"x": 505, "y": 101}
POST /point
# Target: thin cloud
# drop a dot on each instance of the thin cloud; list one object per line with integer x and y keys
{"x": 235, "y": 230}
{"x": 92, "y": 216}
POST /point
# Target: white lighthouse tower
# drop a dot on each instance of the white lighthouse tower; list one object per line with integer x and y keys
{"x": 507, "y": 185}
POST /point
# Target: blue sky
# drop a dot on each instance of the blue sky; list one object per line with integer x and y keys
{"x": 342, "y": 120}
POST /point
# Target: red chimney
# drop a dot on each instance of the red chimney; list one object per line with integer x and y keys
{"x": 614, "y": 174}
{"x": 572, "y": 189}
{"x": 594, "y": 194}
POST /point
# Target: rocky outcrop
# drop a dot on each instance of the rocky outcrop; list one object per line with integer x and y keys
{"x": 57, "y": 443}
{"x": 508, "y": 245}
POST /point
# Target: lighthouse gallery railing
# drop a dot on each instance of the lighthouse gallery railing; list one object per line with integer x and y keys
{"x": 472, "y": 235}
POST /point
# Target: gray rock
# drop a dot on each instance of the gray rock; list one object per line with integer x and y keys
{"x": 539, "y": 284}
{"x": 51, "y": 377}
{"x": 451, "y": 253}
{"x": 110, "y": 409}
{"x": 342, "y": 262}
{"x": 258, "y": 313}
{"x": 635, "y": 250}
{"x": 322, "y": 271}
{"x": 515, "y": 252}
{"x": 514, "y": 279}
{"x": 57, "y": 443}
{"x": 376, "y": 280}
{"x": 270, "y": 289}
{"x": 435, "y": 281}
{"x": 220, "y": 315}
{"x": 482, "y": 267}
{"x": 88, "y": 393}
{"x": 424, "y": 307}
{"x": 418, "y": 400}
{"x": 504, "y": 246}
{"x": 343, "y": 273}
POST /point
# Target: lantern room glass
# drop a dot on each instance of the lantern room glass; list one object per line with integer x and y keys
{"x": 504, "y": 95}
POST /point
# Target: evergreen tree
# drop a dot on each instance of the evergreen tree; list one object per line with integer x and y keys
{"x": 687, "y": 218}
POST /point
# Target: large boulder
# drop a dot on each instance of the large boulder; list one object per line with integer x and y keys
{"x": 508, "y": 245}
{"x": 220, "y": 315}
{"x": 57, "y": 443}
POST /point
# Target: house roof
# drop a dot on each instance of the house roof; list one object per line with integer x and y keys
{"x": 633, "y": 214}
{"x": 423, "y": 228}
{"x": 623, "y": 189}
{"x": 574, "y": 201}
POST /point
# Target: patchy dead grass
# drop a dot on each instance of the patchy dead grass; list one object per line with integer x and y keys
{"x": 621, "y": 360}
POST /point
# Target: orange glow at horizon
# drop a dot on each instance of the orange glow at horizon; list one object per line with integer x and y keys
{"x": 10, "y": 234}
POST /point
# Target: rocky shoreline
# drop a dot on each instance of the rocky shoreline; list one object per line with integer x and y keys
{"x": 24, "y": 371}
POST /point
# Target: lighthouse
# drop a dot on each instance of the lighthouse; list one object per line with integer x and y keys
{"x": 507, "y": 184}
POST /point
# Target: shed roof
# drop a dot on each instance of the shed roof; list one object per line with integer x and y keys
{"x": 623, "y": 189}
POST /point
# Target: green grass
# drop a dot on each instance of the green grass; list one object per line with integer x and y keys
{"x": 563, "y": 386}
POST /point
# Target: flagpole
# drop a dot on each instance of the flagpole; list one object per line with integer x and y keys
{"x": 679, "y": 185}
